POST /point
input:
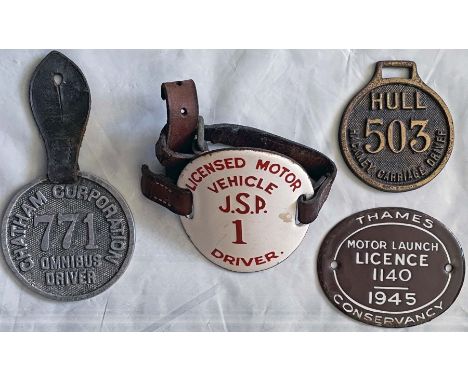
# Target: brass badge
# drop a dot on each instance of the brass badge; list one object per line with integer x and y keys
{"x": 397, "y": 133}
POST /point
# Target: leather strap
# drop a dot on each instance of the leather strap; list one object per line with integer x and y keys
{"x": 320, "y": 168}
{"x": 182, "y": 118}
{"x": 60, "y": 102}
{"x": 163, "y": 189}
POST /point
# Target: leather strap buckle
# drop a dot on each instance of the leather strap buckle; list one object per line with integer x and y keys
{"x": 199, "y": 144}
{"x": 185, "y": 135}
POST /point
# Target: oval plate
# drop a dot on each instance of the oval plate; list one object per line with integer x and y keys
{"x": 391, "y": 267}
{"x": 244, "y": 207}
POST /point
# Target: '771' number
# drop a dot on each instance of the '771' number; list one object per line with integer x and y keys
{"x": 67, "y": 239}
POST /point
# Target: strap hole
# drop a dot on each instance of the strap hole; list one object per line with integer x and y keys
{"x": 394, "y": 72}
{"x": 334, "y": 264}
{"x": 179, "y": 83}
{"x": 183, "y": 111}
{"x": 448, "y": 268}
{"x": 58, "y": 78}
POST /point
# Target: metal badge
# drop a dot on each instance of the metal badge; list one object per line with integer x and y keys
{"x": 391, "y": 267}
{"x": 71, "y": 235}
{"x": 244, "y": 207}
{"x": 396, "y": 134}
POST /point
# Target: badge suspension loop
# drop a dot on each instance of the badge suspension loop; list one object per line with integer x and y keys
{"x": 245, "y": 208}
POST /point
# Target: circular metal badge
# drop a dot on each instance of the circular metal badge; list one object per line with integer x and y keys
{"x": 244, "y": 207}
{"x": 391, "y": 267}
{"x": 68, "y": 241}
{"x": 396, "y": 134}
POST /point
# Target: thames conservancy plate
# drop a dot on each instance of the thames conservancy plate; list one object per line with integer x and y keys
{"x": 244, "y": 207}
{"x": 391, "y": 267}
{"x": 397, "y": 133}
{"x": 68, "y": 236}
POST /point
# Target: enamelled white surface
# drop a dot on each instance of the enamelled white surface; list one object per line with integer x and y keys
{"x": 244, "y": 215}
{"x": 168, "y": 285}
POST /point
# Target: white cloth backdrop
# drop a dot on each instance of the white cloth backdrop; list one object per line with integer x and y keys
{"x": 168, "y": 285}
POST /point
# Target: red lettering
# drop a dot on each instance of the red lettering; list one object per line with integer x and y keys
{"x": 259, "y": 260}
{"x": 259, "y": 204}
{"x": 240, "y": 162}
{"x": 217, "y": 253}
{"x": 229, "y": 163}
{"x": 247, "y": 263}
{"x": 290, "y": 176}
{"x": 262, "y": 165}
{"x": 222, "y": 184}
{"x": 195, "y": 179}
{"x": 229, "y": 259}
{"x": 270, "y": 255}
{"x": 296, "y": 185}
{"x": 274, "y": 168}
{"x": 218, "y": 163}
{"x": 249, "y": 181}
{"x": 270, "y": 188}
{"x": 209, "y": 168}
{"x": 201, "y": 172}
{"x": 239, "y": 199}
{"x": 285, "y": 170}
{"x": 233, "y": 181}
{"x": 259, "y": 184}
{"x": 238, "y": 261}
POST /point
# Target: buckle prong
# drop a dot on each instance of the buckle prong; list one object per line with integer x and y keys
{"x": 200, "y": 145}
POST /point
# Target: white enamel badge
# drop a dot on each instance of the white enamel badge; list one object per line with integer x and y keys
{"x": 244, "y": 207}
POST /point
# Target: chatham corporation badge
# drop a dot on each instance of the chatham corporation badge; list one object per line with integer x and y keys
{"x": 391, "y": 267}
{"x": 397, "y": 133}
{"x": 71, "y": 235}
{"x": 245, "y": 208}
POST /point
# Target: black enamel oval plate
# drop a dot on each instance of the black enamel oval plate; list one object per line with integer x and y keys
{"x": 391, "y": 267}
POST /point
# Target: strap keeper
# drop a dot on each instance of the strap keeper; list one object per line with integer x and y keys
{"x": 162, "y": 190}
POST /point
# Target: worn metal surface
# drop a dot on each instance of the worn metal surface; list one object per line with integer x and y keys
{"x": 70, "y": 236}
{"x": 396, "y": 134}
{"x": 68, "y": 241}
{"x": 391, "y": 267}
{"x": 282, "y": 91}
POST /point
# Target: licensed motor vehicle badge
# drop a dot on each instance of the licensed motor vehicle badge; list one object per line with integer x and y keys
{"x": 391, "y": 267}
{"x": 245, "y": 208}
{"x": 70, "y": 235}
{"x": 397, "y": 133}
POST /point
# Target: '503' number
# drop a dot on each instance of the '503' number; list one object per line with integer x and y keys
{"x": 422, "y": 137}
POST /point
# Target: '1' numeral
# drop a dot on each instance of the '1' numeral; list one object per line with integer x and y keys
{"x": 239, "y": 240}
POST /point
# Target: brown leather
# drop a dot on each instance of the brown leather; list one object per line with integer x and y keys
{"x": 182, "y": 118}
{"x": 319, "y": 167}
{"x": 163, "y": 190}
